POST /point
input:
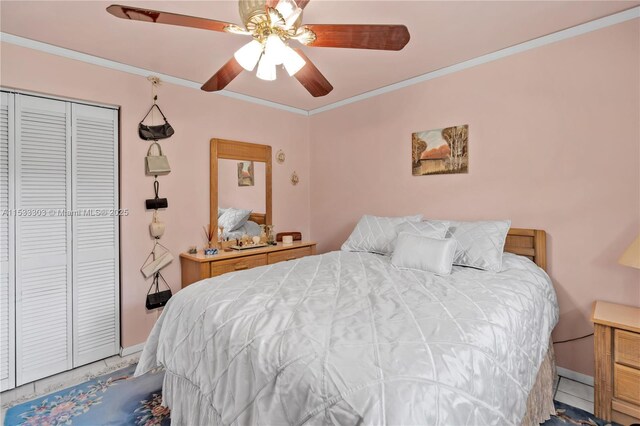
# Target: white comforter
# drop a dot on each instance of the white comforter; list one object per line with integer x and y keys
{"x": 344, "y": 338}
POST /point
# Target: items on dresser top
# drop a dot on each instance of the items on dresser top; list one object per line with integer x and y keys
{"x": 295, "y": 236}
{"x": 198, "y": 267}
{"x": 617, "y": 358}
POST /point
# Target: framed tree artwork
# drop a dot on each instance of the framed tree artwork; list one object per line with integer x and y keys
{"x": 245, "y": 173}
{"x": 440, "y": 151}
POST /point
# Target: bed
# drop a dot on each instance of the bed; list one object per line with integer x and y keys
{"x": 251, "y": 227}
{"x": 344, "y": 338}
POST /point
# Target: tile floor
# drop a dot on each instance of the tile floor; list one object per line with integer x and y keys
{"x": 567, "y": 391}
{"x": 574, "y": 393}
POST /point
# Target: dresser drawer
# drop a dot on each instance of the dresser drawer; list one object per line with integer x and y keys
{"x": 626, "y": 383}
{"x": 291, "y": 254}
{"x": 627, "y": 348}
{"x": 245, "y": 262}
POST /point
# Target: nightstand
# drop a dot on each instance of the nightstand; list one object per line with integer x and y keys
{"x": 617, "y": 356}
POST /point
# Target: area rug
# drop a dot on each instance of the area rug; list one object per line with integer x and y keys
{"x": 118, "y": 398}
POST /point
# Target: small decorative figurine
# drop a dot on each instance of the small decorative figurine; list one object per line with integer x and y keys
{"x": 193, "y": 250}
{"x": 263, "y": 234}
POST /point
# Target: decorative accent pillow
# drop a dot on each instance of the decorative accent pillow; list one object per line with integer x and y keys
{"x": 233, "y": 218}
{"x": 221, "y": 211}
{"x": 424, "y": 253}
{"x": 376, "y": 234}
{"x": 480, "y": 244}
{"x": 431, "y": 229}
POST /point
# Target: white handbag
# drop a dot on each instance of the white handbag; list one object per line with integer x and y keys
{"x": 156, "y": 261}
{"x": 156, "y": 165}
{"x": 156, "y": 227}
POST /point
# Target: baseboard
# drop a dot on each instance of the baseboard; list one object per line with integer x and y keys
{"x": 574, "y": 375}
{"x": 130, "y": 350}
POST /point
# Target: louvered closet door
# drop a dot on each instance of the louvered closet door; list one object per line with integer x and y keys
{"x": 7, "y": 287}
{"x": 95, "y": 244}
{"x": 43, "y": 249}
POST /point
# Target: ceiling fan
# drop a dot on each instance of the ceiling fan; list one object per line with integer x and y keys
{"x": 272, "y": 24}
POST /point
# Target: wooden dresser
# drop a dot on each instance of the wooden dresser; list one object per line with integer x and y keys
{"x": 617, "y": 355}
{"x": 196, "y": 267}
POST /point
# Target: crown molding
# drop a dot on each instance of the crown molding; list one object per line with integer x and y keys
{"x": 581, "y": 29}
{"x": 119, "y": 66}
{"x": 575, "y": 31}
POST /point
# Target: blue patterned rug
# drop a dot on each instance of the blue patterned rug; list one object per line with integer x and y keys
{"x": 120, "y": 399}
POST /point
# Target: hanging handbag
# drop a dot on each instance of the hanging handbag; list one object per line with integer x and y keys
{"x": 156, "y": 165}
{"x": 156, "y": 261}
{"x": 156, "y": 227}
{"x": 158, "y": 298}
{"x": 157, "y": 202}
{"x": 154, "y": 133}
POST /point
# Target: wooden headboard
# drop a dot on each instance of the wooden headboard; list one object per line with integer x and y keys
{"x": 531, "y": 243}
{"x": 259, "y": 218}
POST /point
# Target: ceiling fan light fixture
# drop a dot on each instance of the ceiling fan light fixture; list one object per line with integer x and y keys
{"x": 275, "y": 49}
{"x": 249, "y": 55}
{"x": 235, "y": 29}
{"x": 290, "y": 12}
{"x": 293, "y": 62}
{"x": 266, "y": 69}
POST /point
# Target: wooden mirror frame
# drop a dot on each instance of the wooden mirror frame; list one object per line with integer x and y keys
{"x": 241, "y": 151}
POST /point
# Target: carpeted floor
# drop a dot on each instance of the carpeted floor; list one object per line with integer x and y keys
{"x": 120, "y": 399}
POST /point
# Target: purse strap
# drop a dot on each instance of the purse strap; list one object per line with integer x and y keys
{"x": 156, "y": 283}
{"x": 151, "y": 147}
{"x": 150, "y": 109}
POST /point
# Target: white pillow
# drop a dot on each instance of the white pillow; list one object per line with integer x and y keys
{"x": 233, "y": 218}
{"x": 375, "y": 234}
{"x": 480, "y": 244}
{"x": 432, "y": 229}
{"x": 424, "y": 253}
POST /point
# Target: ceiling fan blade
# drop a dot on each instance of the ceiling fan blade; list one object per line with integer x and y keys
{"x": 311, "y": 78}
{"x": 379, "y": 37}
{"x": 159, "y": 17}
{"x": 224, "y": 76}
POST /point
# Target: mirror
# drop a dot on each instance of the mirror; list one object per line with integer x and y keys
{"x": 240, "y": 178}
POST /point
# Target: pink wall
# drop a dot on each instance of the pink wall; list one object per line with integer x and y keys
{"x": 241, "y": 197}
{"x": 541, "y": 128}
{"x": 197, "y": 117}
{"x": 554, "y": 145}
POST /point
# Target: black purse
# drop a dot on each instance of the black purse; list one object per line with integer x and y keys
{"x": 158, "y": 298}
{"x": 157, "y": 202}
{"x": 154, "y": 133}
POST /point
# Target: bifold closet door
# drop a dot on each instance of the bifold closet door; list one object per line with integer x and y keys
{"x": 95, "y": 230}
{"x": 7, "y": 288}
{"x": 43, "y": 237}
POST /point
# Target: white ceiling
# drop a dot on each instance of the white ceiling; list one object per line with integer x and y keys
{"x": 442, "y": 33}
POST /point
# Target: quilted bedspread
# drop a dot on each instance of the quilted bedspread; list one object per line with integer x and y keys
{"x": 346, "y": 338}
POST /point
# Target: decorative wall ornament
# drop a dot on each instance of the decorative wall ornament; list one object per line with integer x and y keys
{"x": 245, "y": 173}
{"x": 280, "y": 157}
{"x": 294, "y": 179}
{"x": 440, "y": 151}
